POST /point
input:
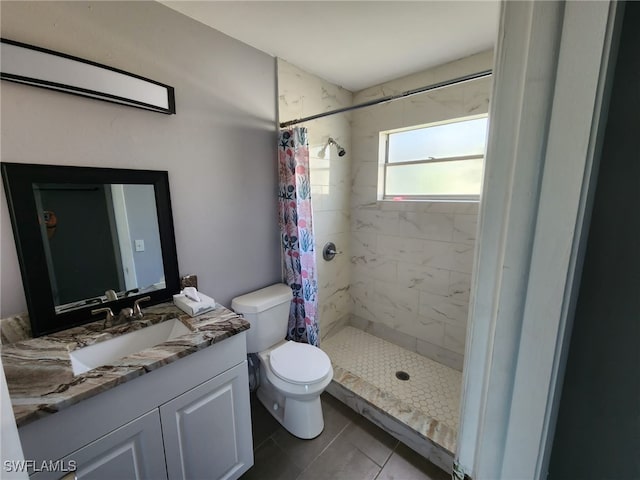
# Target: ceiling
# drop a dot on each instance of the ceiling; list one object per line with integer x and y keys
{"x": 355, "y": 44}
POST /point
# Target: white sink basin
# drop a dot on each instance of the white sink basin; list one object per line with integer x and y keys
{"x": 103, "y": 353}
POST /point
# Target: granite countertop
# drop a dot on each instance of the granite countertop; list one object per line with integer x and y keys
{"x": 39, "y": 374}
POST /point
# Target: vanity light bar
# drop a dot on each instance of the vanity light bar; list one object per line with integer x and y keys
{"x": 30, "y": 65}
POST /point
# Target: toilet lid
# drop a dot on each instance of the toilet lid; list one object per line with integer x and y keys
{"x": 299, "y": 363}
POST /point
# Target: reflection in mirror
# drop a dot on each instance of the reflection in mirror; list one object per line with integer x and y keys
{"x": 90, "y": 237}
{"x": 97, "y": 238}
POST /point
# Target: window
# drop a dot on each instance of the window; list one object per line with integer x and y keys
{"x": 442, "y": 161}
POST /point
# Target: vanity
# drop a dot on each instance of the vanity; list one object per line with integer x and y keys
{"x": 176, "y": 410}
{"x": 152, "y": 395}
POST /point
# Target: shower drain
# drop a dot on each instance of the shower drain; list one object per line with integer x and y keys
{"x": 400, "y": 375}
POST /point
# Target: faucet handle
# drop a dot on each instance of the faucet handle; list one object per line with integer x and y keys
{"x": 109, "y": 318}
{"x": 137, "y": 313}
{"x": 111, "y": 295}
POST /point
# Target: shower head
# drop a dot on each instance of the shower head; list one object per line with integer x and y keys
{"x": 341, "y": 151}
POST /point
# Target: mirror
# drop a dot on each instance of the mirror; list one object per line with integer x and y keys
{"x": 90, "y": 238}
{"x": 99, "y": 238}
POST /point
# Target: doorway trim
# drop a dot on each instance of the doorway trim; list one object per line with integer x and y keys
{"x": 550, "y": 89}
{"x": 124, "y": 236}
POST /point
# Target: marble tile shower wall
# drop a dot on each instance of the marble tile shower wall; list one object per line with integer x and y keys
{"x": 412, "y": 261}
{"x": 302, "y": 94}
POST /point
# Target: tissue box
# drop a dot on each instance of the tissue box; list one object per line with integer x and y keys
{"x": 192, "y": 307}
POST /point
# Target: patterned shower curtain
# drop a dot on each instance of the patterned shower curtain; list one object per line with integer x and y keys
{"x": 296, "y": 233}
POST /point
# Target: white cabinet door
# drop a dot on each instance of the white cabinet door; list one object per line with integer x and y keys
{"x": 133, "y": 451}
{"x": 207, "y": 430}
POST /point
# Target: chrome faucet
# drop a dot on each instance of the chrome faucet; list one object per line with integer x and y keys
{"x": 127, "y": 314}
{"x": 109, "y": 319}
{"x": 137, "y": 312}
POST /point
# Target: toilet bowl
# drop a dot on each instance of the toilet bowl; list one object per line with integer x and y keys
{"x": 292, "y": 374}
{"x": 291, "y": 381}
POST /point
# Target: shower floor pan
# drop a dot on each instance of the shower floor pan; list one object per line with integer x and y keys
{"x": 370, "y": 376}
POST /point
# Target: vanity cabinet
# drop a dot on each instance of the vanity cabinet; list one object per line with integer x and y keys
{"x": 186, "y": 420}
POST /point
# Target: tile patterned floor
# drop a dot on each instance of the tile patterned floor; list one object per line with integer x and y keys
{"x": 421, "y": 412}
{"x": 433, "y": 389}
{"x": 349, "y": 448}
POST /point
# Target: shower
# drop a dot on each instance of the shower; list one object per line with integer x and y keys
{"x": 331, "y": 141}
{"x": 394, "y": 307}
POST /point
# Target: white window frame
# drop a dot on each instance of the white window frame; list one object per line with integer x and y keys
{"x": 385, "y": 164}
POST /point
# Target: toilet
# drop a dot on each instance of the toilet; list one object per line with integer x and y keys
{"x": 292, "y": 374}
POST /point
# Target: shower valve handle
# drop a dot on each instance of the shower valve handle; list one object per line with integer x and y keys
{"x": 329, "y": 251}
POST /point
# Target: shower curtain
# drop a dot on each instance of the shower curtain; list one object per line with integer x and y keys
{"x": 296, "y": 233}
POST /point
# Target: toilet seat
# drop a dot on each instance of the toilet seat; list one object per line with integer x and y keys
{"x": 299, "y": 363}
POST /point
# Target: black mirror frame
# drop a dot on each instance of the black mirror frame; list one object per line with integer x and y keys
{"x": 18, "y": 179}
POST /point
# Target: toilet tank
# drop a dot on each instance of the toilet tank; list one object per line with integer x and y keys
{"x": 267, "y": 310}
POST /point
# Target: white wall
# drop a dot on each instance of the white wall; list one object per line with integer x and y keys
{"x": 143, "y": 226}
{"x": 302, "y": 94}
{"x": 219, "y": 149}
{"x": 412, "y": 261}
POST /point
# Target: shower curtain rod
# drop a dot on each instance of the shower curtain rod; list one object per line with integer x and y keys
{"x": 390, "y": 98}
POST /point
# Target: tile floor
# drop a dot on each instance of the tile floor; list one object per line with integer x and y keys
{"x": 433, "y": 389}
{"x": 349, "y": 448}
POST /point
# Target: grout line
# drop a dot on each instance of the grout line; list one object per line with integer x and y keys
{"x": 363, "y": 418}
{"x": 393, "y": 450}
{"x": 256, "y": 447}
{"x": 325, "y": 448}
{"x": 332, "y": 440}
